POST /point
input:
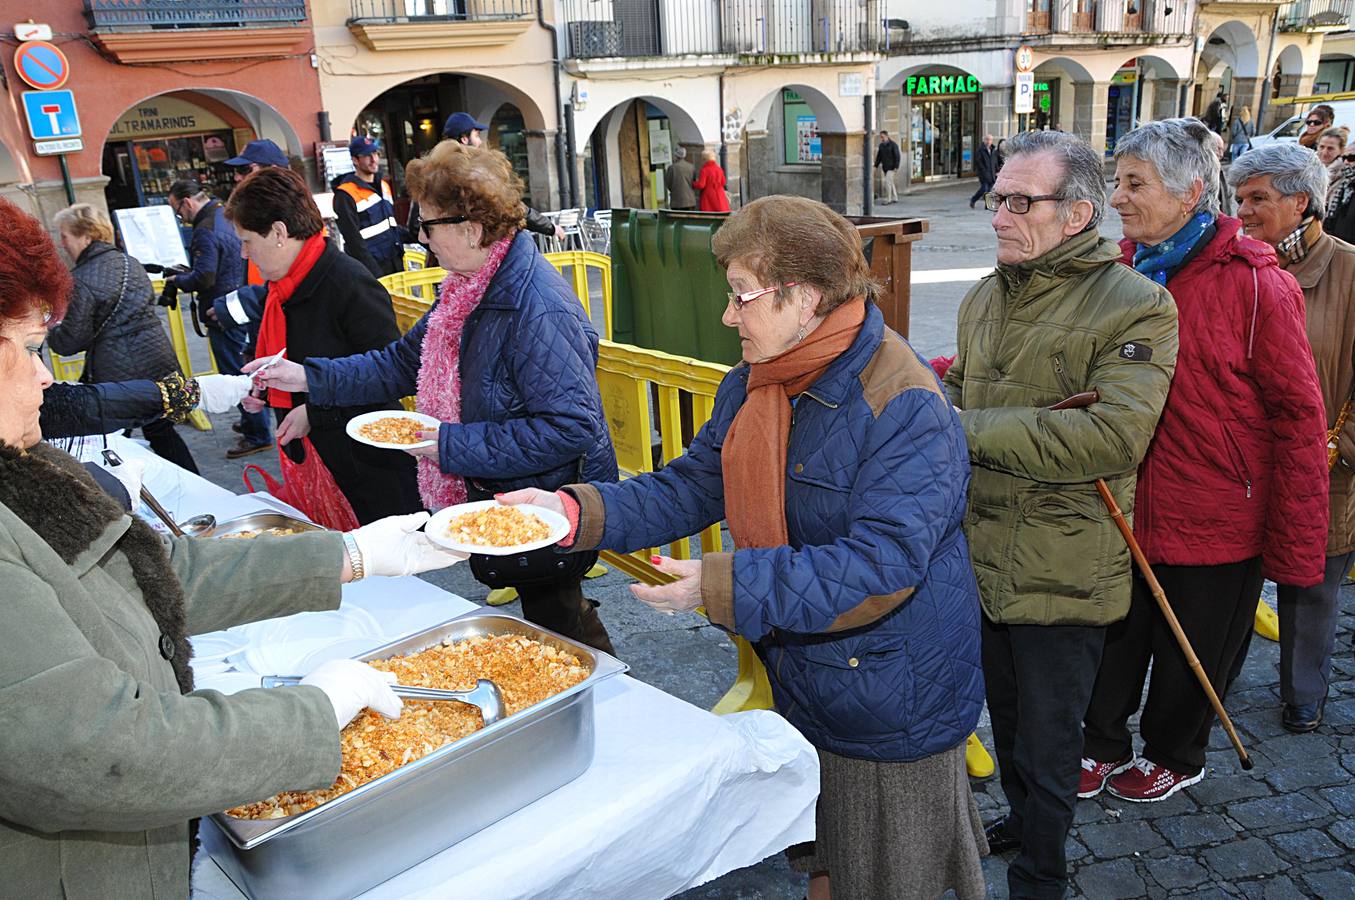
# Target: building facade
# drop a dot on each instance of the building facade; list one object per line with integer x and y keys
{"x": 162, "y": 92}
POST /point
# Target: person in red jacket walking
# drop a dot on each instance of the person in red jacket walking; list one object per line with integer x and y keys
{"x": 710, "y": 184}
{"x": 1234, "y": 486}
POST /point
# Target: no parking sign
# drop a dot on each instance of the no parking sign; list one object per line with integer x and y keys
{"x": 42, "y": 65}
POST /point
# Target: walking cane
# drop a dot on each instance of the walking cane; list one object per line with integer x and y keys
{"x": 1078, "y": 401}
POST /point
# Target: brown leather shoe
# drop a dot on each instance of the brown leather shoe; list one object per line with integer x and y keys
{"x": 243, "y": 447}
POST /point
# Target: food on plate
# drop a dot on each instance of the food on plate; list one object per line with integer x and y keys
{"x": 392, "y": 430}
{"x": 255, "y": 532}
{"x": 497, "y": 526}
{"x": 526, "y": 672}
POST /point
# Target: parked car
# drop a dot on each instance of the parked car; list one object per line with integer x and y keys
{"x": 1289, "y": 130}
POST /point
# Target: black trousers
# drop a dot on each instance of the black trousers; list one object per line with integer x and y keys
{"x": 1039, "y": 678}
{"x": 166, "y": 442}
{"x": 1216, "y": 606}
{"x": 377, "y": 483}
{"x": 984, "y": 187}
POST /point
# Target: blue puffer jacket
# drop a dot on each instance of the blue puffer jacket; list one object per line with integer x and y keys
{"x": 531, "y": 415}
{"x": 218, "y": 267}
{"x": 877, "y": 470}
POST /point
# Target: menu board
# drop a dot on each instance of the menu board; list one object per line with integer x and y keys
{"x": 150, "y": 234}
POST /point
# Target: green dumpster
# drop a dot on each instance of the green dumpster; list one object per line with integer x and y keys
{"x": 668, "y": 293}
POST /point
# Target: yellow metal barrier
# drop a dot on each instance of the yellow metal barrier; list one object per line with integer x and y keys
{"x": 68, "y": 368}
{"x": 580, "y": 263}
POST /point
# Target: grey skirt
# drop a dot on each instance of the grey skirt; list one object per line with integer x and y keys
{"x": 896, "y": 830}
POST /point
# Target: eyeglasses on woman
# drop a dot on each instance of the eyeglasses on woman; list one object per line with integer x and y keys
{"x": 743, "y": 299}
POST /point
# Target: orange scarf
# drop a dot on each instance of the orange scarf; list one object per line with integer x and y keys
{"x": 753, "y": 459}
{"x": 273, "y": 325}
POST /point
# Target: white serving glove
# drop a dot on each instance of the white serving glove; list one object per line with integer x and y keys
{"x": 129, "y": 474}
{"x": 220, "y": 393}
{"x": 353, "y": 686}
{"x": 395, "y": 546}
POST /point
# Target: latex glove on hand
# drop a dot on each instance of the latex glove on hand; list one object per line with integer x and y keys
{"x": 396, "y": 546}
{"x": 353, "y": 686}
{"x": 221, "y": 393}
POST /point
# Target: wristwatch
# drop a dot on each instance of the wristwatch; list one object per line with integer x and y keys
{"x": 354, "y": 556}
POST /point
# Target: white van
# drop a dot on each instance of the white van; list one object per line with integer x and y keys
{"x": 1289, "y": 130}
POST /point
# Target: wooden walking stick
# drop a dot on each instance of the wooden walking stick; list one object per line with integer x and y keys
{"x": 1078, "y": 401}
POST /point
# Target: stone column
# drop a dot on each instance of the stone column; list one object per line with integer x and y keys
{"x": 544, "y": 181}
{"x": 1245, "y": 92}
{"x": 841, "y": 172}
{"x": 733, "y": 168}
{"x": 1089, "y": 112}
{"x": 997, "y": 112}
{"x": 755, "y": 162}
{"x": 1166, "y": 100}
{"x": 44, "y": 199}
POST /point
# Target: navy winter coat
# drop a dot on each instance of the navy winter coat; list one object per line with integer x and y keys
{"x": 531, "y": 415}
{"x": 877, "y": 471}
{"x": 214, "y": 249}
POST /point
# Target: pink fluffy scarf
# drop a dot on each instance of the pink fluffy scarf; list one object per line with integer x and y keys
{"x": 439, "y": 384}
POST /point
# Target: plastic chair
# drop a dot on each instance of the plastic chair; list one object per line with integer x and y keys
{"x": 568, "y": 222}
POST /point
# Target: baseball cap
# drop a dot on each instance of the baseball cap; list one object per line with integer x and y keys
{"x": 262, "y": 152}
{"x": 363, "y": 145}
{"x": 461, "y": 123}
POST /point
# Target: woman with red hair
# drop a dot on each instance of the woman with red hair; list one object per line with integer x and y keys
{"x": 107, "y": 750}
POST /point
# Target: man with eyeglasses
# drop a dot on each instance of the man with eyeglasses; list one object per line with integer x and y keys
{"x": 1059, "y": 317}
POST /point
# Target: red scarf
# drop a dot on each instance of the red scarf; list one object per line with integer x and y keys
{"x": 753, "y": 459}
{"x": 273, "y": 327}
{"x": 439, "y": 382}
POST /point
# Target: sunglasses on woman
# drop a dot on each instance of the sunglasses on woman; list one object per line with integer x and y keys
{"x": 747, "y": 297}
{"x": 1311, "y": 122}
{"x": 1348, "y": 157}
{"x": 425, "y": 227}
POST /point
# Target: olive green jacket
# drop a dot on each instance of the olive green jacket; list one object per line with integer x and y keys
{"x": 1044, "y": 548}
{"x": 104, "y": 760}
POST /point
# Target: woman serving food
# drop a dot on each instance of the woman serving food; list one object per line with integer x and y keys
{"x": 107, "y": 751}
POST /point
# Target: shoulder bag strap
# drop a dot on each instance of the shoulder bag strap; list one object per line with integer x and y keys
{"x": 122, "y": 295}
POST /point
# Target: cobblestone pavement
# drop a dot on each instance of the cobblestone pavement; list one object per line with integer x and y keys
{"x": 1285, "y": 829}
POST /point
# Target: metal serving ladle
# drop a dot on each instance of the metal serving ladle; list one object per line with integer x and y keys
{"x": 484, "y": 696}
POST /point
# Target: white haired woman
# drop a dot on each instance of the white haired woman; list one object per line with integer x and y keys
{"x": 1281, "y": 191}
{"x": 1233, "y": 488}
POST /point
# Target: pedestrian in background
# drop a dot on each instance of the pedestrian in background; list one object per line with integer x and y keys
{"x": 841, "y": 469}
{"x": 1216, "y": 114}
{"x": 985, "y": 166}
{"x": 1281, "y": 191}
{"x": 1234, "y": 486}
{"x": 678, "y": 181}
{"x": 365, "y": 210}
{"x": 887, "y": 159}
{"x": 1060, "y": 316}
{"x": 1240, "y": 132}
{"x": 1329, "y": 148}
{"x": 710, "y": 182}
{"x": 1318, "y": 120}
{"x": 321, "y": 303}
{"x": 1340, "y": 218}
{"x": 217, "y": 270}
{"x": 112, "y": 320}
{"x": 1216, "y": 145}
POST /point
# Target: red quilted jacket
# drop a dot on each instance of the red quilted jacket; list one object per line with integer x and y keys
{"x": 1238, "y": 465}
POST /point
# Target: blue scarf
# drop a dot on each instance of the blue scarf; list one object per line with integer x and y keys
{"x": 1160, "y": 260}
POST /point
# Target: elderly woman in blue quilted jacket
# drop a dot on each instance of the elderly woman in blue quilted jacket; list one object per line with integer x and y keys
{"x": 505, "y": 360}
{"x": 841, "y": 469}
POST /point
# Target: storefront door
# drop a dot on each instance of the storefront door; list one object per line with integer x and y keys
{"x": 943, "y": 138}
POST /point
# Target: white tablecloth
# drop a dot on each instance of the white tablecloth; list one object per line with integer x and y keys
{"x": 675, "y": 797}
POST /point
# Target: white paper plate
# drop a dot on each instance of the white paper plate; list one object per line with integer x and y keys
{"x": 436, "y": 529}
{"x": 358, "y": 421}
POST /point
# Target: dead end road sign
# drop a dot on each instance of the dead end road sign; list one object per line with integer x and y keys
{"x": 51, "y": 115}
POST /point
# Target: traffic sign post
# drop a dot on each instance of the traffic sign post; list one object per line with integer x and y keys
{"x": 54, "y": 125}
{"x": 41, "y": 65}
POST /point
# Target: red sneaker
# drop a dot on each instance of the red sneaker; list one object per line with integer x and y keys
{"x": 1146, "y": 782}
{"x": 1095, "y": 774}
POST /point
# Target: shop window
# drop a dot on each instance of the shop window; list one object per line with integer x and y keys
{"x": 802, "y": 143}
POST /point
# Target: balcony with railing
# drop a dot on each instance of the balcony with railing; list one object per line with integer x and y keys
{"x": 1315, "y": 15}
{"x": 195, "y": 30}
{"x": 598, "y": 29}
{"x": 1129, "y": 20}
{"x": 439, "y": 24}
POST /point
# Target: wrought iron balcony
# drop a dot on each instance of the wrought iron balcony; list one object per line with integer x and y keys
{"x": 656, "y": 28}
{"x": 148, "y": 15}
{"x": 392, "y": 11}
{"x": 1315, "y": 15}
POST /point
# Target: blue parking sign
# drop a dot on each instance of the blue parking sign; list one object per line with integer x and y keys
{"x": 51, "y": 115}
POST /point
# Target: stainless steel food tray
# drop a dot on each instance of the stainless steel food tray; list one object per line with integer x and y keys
{"x": 378, "y": 830}
{"x": 260, "y": 520}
